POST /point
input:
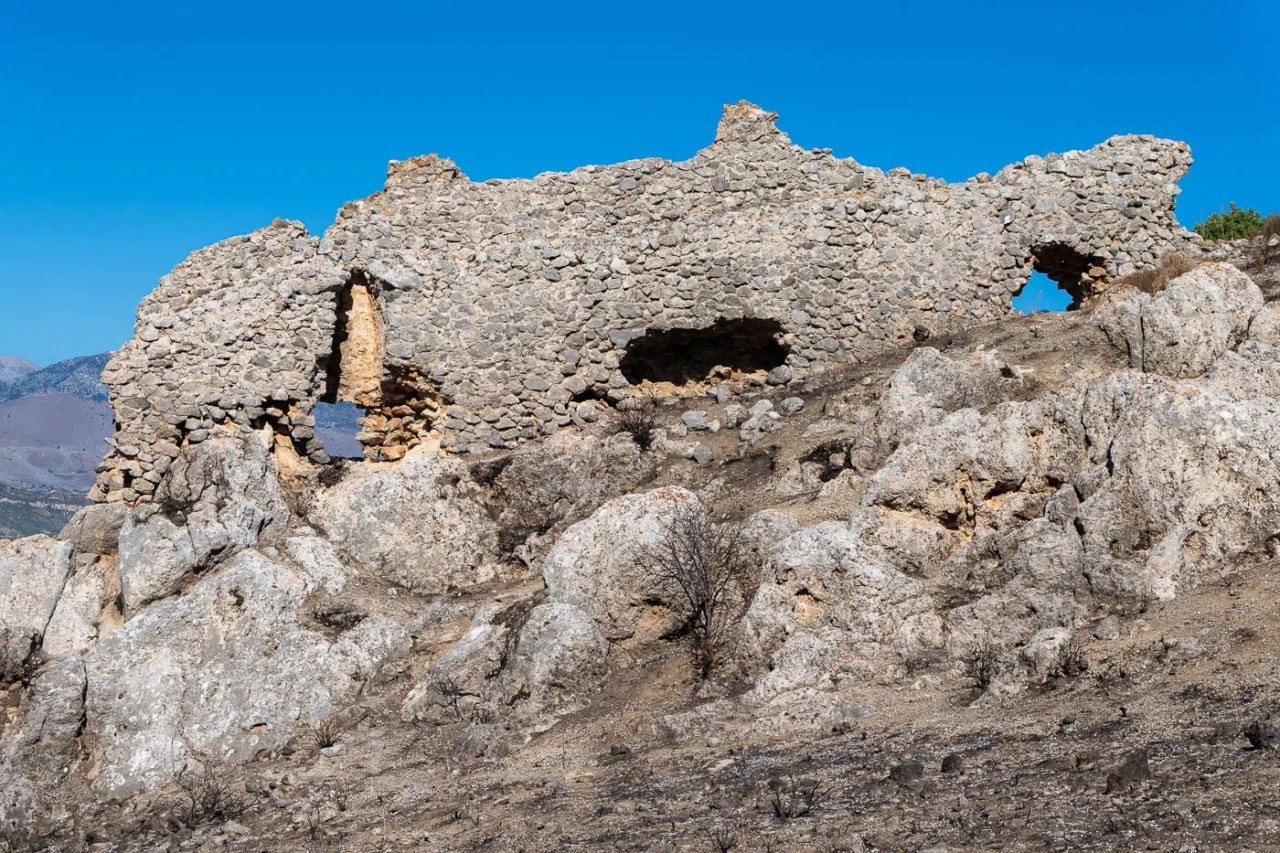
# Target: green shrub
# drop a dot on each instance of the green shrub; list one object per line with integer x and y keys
{"x": 1231, "y": 224}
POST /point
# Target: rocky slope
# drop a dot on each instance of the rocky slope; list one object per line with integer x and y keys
{"x": 1011, "y": 587}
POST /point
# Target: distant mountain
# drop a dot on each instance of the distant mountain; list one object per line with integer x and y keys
{"x": 75, "y": 377}
{"x": 13, "y": 368}
{"x": 54, "y": 422}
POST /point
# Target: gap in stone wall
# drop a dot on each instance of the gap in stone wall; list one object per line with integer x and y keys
{"x": 727, "y": 347}
{"x": 337, "y": 426}
{"x": 1041, "y": 294}
{"x": 353, "y": 372}
{"x": 1058, "y": 269}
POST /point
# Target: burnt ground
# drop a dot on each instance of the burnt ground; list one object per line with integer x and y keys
{"x": 1034, "y": 772}
{"x": 1173, "y": 697}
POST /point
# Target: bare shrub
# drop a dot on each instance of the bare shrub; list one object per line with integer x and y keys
{"x": 325, "y": 803}
{"x": 325, "y": 733}
{"x": 208, "y": 795}
{"x": 638, "y": 417}
{"x": 1069, "y": 660}
{"x": 1155, "y": 280}
{"x": 792, "y": 799}
{"x": 702, "y": 569}
{"x": 724, "y": 839}
{"x": 1262, "y": 253}
{"x": 983, "y": 664}
{"x": 447, "y": 695}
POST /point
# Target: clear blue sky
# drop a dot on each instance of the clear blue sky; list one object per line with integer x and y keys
{"x": 131, "y": 134}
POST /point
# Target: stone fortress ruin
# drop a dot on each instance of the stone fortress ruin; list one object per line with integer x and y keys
{"x": 487, "y": 314}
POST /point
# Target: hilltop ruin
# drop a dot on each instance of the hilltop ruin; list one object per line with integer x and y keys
{"x": 487, "y": 314}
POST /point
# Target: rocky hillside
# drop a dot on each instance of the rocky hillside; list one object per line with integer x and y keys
{"x": 54, "y": 423}
{"x": 75, "y": 377}
{"x": 1012, "y": 586}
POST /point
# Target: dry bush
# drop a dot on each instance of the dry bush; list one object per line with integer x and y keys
{"x": 983, "y": 664}
{"x": 1262, "y": 253}
{"x": 703, "y": 570}
{"x": 326, "y": 733}
{"x": 638, "y": 417}
{"x": 792, "y": 799}
{"x": 208, "y": 795}
{"x": 1069, "y": 660}
{"x": 1155, "y": 280}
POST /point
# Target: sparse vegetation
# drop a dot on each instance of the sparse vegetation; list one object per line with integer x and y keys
{"x": 638, "y": 417}
{"x": 1262, "y": 252}
{"x": 1155, "y": 280}
{"x": 792, "y": 799}
{"x": 448, "y": 696}
{"x": 702, "y": 568}
{"x": 208, "y": 795}
{"x": 982, "y": 664}
{"x": 1069, "y": 661}
{"x": 327, "y": 732}
{"x": 1233, "y": 223}
{"x": 325, "y": 803}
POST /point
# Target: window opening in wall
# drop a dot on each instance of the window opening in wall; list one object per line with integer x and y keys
{"x": 1061, "y": 279}
{"x": 337, "y": 425}
{"x": 1041, "y": 294}
{"x": 353, "y": 371}
{"x": 680, "y": 356}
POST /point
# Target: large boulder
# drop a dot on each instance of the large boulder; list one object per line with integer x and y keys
{"x": 221, "y": 672}
{"x": 538, "y": 493}
{"x": 831, "y": 608}
{"x": 559, "y": 654}
{"x": 218, "y": 497}
{"x": 87, "y": 609}
{"x": 419, "y": 523}
{"x": 1180, "y": 331}
{"x": 534, "y": 661}
{"x": 1180, "y": 479}
{"x": 598, "y": 564}
{"x": 40, "y": 748}
{"x": 32, "y": 574}
{"x": 929, "y": 386}
{"x": 95, "y": 529}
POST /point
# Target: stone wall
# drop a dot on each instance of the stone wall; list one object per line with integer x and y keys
{"x": 496, "y": 308}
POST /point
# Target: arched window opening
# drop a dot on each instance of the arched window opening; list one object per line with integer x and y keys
{"x": 1061, "y": 279}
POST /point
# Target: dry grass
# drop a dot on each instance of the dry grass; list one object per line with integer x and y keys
{"x": 1155, "y": 280}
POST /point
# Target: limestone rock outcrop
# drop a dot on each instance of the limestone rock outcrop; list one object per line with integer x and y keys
{"x": 597, "y": 564}
{"x": 222, "y": 671}
{"x": 1183, "y": 329}
{"x": 218, "y": 497}
{"x": 419, "y": 524}
{"x": 32, "y": 574}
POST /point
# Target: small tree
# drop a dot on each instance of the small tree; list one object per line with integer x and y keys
{"x": 702, "y": 570}
{"x": 1231, "y": 224}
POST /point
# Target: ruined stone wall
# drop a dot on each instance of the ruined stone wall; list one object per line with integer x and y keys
{"x": 499, "y": 305}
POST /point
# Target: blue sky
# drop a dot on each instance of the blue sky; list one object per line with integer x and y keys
{"x": 132, "y": 134}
